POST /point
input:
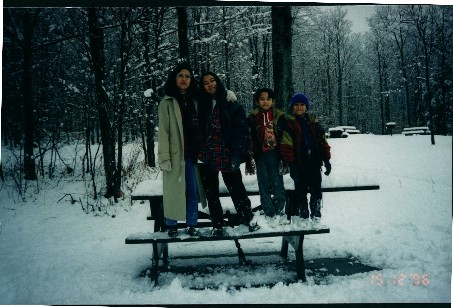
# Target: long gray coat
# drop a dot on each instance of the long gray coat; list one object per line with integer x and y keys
{"x": 171, "y": 147}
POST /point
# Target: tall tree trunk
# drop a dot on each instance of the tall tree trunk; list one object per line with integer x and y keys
{"x": 102, "y": 100}
{"x": 339, "y": 86}
{"x": 422, "y": 25}
{"x": 226, "y": 50}
{"x": 29, "y": 22}
{"x": 281, "y": 55}
{"x": 266, "y": 60}
{"x": 182, "y": 34}
{"x": 400, "y": 44}
{"x": 386, "y": 91}
{"x": 381, "y": 88}
{"x": 158, "y": 17}
{"x": 122, "y": 107}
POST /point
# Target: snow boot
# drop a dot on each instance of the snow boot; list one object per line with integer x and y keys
{"x": 303, "y": 209}
{"x": 217, "y": 231}
{"x": 244, "y": 209}
{"x": 173, "y": 231}
{"x": 192, "y": 231}
{"x": 315, "y": 208}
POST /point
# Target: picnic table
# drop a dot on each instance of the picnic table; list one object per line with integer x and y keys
{"x": 292, "y": 235}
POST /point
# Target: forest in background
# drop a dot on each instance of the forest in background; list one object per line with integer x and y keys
{"x": 96, "y": 74}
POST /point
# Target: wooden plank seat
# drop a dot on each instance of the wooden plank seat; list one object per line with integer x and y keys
{"x": 291, "y": 235}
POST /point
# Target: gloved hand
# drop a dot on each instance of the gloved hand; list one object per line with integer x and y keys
{"x": 328, "y": 168}
{"x": 165, "y": 165}
{"x": 231, "y": 96}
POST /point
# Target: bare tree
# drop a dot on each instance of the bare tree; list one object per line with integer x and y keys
{"x": 422, "y": 17}
{"x": 282, "y": 54}
{"x": 182, "y": 33}
{"x": 102, "y": 100}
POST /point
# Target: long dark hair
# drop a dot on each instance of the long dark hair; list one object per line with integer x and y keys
{"x": 170, "y": 85}
{"x": 221, "y": 91}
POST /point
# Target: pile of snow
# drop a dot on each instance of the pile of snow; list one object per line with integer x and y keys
{"x": 51, "y": 252}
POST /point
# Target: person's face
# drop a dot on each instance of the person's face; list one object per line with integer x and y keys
{"x": 299, "y": 109}
{"x": 264, "y": 101}
{"x": 183, "y": 79}
{"x": 209, "y": 84}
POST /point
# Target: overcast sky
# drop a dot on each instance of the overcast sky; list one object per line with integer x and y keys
{"x": 358, "y": 15}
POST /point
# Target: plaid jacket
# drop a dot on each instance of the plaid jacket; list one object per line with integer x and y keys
{"x": 214, "y": 152}
{"x": 223, "y": 136}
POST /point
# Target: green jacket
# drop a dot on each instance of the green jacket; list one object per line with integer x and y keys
{"x": 171, "y": 147}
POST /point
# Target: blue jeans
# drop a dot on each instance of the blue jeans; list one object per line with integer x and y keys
{"x": 270, "y": 183}
{"x": 191, "y": 197}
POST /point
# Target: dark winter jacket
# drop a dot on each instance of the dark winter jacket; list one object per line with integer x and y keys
{"x": 291, "y": 152}
{"x": 233, "y": 123}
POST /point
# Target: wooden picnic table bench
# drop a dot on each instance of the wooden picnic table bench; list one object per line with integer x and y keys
{"x": 291, "y": 235}
{"x": 151, "y": 190}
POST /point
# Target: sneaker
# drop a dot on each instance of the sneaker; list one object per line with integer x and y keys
{"x": 316, "y": 217}
{"x": 283, "y": 220}
{"x": 192, "y": 231}
{"x": 272, "y": 221}
{"x": 217, "y": 231}
{"x": 253, "y": 227}
{"x": 173, "y": 232}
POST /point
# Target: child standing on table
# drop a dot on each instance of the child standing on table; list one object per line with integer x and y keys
{"x": 306, "y": 155}
{"x": 266, "y": 133}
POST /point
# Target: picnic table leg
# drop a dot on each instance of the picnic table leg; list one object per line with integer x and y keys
{"x": 284, "y": 250}
{"x": 288, "y": 211}
{"x": 157, "y": 212}
{"x": 300, "y": 263}
{"x": 242, "y": 259}
{"x": 297, "y": 243}
{"x": 158, "y": 250}
{"x": 155, "y": 264}
{"x": 165, "y": 255}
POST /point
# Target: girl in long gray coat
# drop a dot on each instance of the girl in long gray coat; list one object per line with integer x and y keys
{"x": 177, "y": 150}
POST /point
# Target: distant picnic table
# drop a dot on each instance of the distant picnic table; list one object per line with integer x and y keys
{"x": 421, "y": 130}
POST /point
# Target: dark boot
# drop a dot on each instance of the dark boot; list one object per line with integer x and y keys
{"x": 299, "y": 206}
{"x": 315, "y": 208}
{"x": 303, "y": 209}
{"x": 172, "y": 231}
{"x": 244, "y": 210}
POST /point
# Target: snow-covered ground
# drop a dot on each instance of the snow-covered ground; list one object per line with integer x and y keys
{"x": 52, "y": 252}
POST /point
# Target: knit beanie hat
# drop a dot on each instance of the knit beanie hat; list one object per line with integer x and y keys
{"x": 299, "y": 98}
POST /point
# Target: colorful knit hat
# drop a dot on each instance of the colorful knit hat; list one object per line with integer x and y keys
{"x": 299, "y": 98}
